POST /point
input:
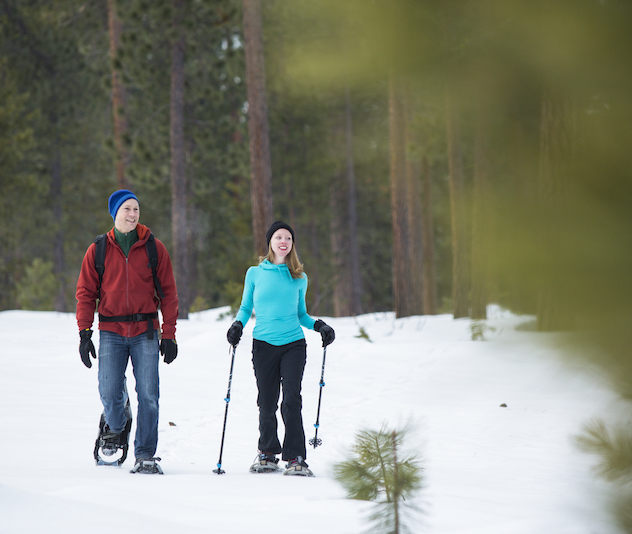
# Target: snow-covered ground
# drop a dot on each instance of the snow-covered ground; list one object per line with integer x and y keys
{"x": 487, "y": 469}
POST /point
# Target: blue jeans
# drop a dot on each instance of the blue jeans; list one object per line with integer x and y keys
{"x": 114, "y": 353}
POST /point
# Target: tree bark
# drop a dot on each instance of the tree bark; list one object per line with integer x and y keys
{"x": 556, "y": 150}
{"x": 354, "y": 247}
{"x": 258, "y": 131}
{"x": 339, "y": 248}
{"x": 60, "y": 302}
{"x": 118, "y": 99}
{"x": 460, "y": 271}
{"x": 480, "y": 228}
{"x": 414, "y": 210}
{"x": 429, "y": 289}
{"x": 399, "y": 208}
{"x": 179, "y": 226}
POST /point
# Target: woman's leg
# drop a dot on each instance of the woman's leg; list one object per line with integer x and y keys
{"x": 292, "y": 367}
{"x": 266, "y": 363}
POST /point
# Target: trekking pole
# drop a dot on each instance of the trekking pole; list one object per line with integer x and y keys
{"x": 316, "y": 441}
{"x": 219, "y": 469}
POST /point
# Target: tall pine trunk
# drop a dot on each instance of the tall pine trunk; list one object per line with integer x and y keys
{"x": 414, "y": 209}
{"x": 259, "y": 138}
{"x": 179, "y": 226}
{"x": 355, "y": 297}
{"x": 399, "y": 206}
{"x": 344, "y": 224}
{"x": 480, "y": 228}
{"x": 339, "y": 237}
{"x": 460, "y": 270}
{"x": 118, "y": 98}
{"x": 60, "y": 302}
{"x": 429, "y": 290}
{"x": 556, "y": 150}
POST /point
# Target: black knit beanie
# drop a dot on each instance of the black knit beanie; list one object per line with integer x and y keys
{"x": 275, "y": 226}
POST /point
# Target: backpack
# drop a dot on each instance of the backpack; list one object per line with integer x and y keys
{"x": 152, "y": 254}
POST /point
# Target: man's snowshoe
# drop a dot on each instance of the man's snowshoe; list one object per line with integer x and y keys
{"x": 298, "y": 467}
{"x": 147, "y": 466}
{"x": 265, "y": 463}
{"x": 109, "y": 443}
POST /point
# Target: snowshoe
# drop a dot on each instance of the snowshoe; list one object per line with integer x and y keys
{"x": 298, "y": 467}
{"x": 109, "y": 444}
{"x": 147, "y": 466}
{"x": 265, "y": 463}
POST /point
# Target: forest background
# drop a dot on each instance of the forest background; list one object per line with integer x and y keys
{"x": 432, "y": 156}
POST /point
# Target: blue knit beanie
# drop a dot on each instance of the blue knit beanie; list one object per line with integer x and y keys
{"x": 117, "y": 198}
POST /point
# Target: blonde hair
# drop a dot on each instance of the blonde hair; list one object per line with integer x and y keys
{"x": 294, "y": 265}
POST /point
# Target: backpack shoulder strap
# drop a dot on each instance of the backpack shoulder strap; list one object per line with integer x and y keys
{"x": 99, "y": 257}
{"x": 152, "y": 255}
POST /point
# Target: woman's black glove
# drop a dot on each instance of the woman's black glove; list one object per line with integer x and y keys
{"x": 326, "y": 332}
{"x": 86, "y": 347}
{"x": 169, "y": 349}
{"x": 234, "y": 333}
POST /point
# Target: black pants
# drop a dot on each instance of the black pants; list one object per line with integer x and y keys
{"x": 276, "y": 368}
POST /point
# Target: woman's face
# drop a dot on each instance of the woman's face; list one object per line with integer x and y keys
{"x": 281, "y": 244}
{"x": 127, "y": 216}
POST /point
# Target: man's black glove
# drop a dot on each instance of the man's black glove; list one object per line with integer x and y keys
{"x": 86, "y": 347}
{"x": 234, "y": 333}
{"x": 169, "y": 349}
{"x": 326, "y": 332}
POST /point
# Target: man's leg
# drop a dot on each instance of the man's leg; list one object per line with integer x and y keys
{"x": 113, "y": 355}
{"x": 145, "y": 357}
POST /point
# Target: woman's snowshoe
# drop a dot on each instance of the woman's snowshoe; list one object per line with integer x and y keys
{"x": 265, "y": 463}
{"x": 298, "y": 467}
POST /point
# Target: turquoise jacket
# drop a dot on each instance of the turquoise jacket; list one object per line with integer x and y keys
{"x": 279, "y": 304}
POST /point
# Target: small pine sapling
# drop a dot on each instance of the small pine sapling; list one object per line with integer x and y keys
{"x": 378, "y": 472}
{"x": 363, "y": 335}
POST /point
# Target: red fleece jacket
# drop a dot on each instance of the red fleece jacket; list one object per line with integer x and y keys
{"x": 127, "y": 287}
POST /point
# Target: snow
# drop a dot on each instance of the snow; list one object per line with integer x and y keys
{"x": 488, "y": 469}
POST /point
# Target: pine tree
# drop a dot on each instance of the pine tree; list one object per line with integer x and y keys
{"x": 379, "y": 472}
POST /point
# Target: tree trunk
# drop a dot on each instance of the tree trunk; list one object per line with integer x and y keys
{"x": 260, "y": 165}
{"x": 414, "y": 211}
{"x": 480, "y": 228}
{"x": 58, "y": 236}
{"x": 314, "y": 272}
{"x": 460, "y": 271}
{"x": 118, "y": 99}
{"x": 401, "y": 282}
{"x": 556, "y": 151}
{"x": 429, "y": 295}
{"x": 354, "y": 248}
{"x": 340, "y": 243}
{"x": 179, "y": 226}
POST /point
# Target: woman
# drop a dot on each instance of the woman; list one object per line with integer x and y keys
{"x": 276, "y": 289}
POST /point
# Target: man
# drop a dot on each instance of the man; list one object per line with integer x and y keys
{"x": 128, "y": 297}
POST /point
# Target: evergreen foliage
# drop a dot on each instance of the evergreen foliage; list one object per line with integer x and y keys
{"x": 37, "y": 288}
{"x": 615, "y": 449}
{"x": 379, "y": 471}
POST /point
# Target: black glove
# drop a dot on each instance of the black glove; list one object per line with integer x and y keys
{"x": 169, "y": 349}
{"x": 234, "y": 333}
{"x": 86, "y": 347}
{"x": 326, "y": 332}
